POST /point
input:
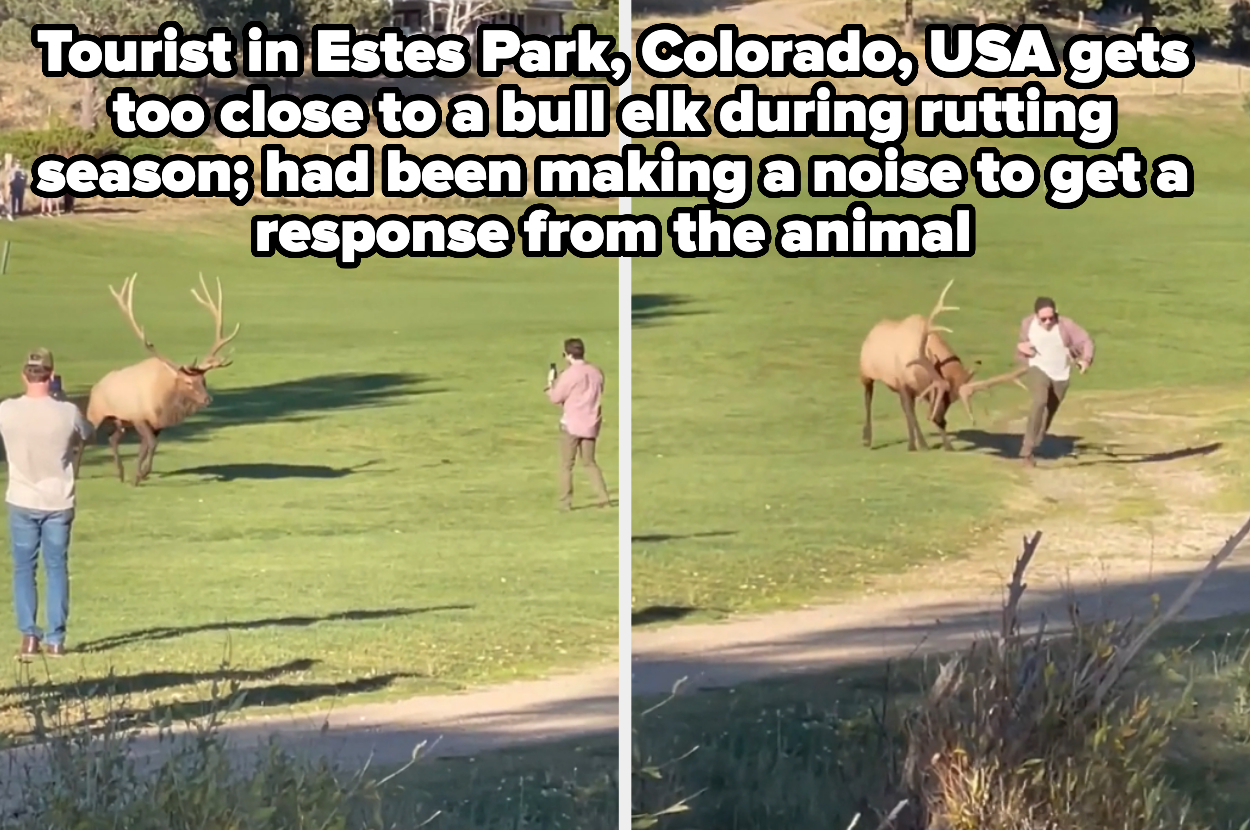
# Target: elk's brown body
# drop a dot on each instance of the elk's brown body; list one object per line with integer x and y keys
{"x": 156, "y": 393}
{"x": 910, "y": 357}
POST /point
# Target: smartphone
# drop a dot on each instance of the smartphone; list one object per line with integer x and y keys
{"x": 55, "y": 386}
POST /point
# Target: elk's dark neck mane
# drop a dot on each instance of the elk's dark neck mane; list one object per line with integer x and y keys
{"x": 176, "y": 410}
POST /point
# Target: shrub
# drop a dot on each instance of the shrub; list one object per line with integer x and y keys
{"x": 67, "y": 140}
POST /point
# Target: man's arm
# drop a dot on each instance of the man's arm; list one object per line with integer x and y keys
{"x": 1081, "y": 341}
{"x": 1023, "y": 347}
{"x": 558, "y": 393}
{"x": 82, "y": 427}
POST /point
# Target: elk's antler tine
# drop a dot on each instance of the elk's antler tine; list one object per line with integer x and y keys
{"x": 211, "y": 360}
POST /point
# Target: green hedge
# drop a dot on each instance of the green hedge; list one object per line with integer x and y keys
{"x": 66, "y": 140}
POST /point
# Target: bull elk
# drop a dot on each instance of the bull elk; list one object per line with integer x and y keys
{"x": 156, "y": 393}
{"x": 910, "y": 357}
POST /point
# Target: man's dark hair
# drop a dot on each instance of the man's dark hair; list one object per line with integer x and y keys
{"x": 1043, "y": 302}
{"x": 36, "y": 374}
{"x": 575, "y": 348}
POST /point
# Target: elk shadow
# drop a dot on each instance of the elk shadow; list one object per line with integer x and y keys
{"x": 148, "y": 635}
{"x": 649, "y": 309}
{"x": 269, "y": 472}
{"x": 288, "y": 401}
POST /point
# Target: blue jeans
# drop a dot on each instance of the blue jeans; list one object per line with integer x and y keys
{"x": 30, "y": 533}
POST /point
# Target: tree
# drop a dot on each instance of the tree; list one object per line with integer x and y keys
{"x": 110, "y": 17}
{"x": 1206, "y": 21}
{"x": 459, "y": 17}
{"x": 602, "y": 14}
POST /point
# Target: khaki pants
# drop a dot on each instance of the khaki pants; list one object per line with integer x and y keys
{"x": 570, "y": 447}
{"x": 1045, "y": 396}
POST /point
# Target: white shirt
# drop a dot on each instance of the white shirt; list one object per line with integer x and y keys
{"x": 38, "y": 440}
{"x": 1050, "y": 355}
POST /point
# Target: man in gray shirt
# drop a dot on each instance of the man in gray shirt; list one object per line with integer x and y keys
{"x": 40, "y": 432}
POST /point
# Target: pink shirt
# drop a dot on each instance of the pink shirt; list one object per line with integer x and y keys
{"x": 579, "y": 389}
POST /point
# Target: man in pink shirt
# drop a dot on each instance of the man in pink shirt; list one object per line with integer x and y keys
{"x": 579, "y": 390}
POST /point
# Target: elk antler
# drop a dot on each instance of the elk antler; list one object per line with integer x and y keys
{"x": 967, "y": 390}
{"x": 211, "y": 360}
{"x": 125, "y": 300}
{"x": 940, "y": 307}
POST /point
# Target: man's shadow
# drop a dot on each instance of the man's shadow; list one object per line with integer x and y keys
{"x": 1008, "y": 444}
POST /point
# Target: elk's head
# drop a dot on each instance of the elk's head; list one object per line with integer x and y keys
{"x": 189, "y": 378}
{"x": 950, "y": 368}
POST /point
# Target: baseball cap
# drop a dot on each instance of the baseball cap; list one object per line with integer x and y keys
{"x": 39, "y": 359}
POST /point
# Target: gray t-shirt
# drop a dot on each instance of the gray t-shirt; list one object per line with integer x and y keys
{"x": 38, "y": 438}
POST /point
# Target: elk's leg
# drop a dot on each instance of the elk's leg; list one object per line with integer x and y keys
{"x": 147, "y": 469}
{"x": 114, "y": 440}
{"x": 147, "y": 449}
{"x": 868, "y": 384}
{"x": 914, "y": 436}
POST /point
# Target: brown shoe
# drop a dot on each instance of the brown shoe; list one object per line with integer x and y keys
{"x": 29, "y": 648}
{"x": 54, "y": 649}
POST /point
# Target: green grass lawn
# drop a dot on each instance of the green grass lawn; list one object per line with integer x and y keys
{"x": 753, "y": 490}
{"x": 810, "y": 751}
{"x": 368, "y": 507}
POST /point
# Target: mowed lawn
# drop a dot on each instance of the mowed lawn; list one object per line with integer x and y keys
{"x": 368, "y": 507}
{"x": 752, "y": 487}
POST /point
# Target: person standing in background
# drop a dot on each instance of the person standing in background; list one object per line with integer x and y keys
{"x": 579, "y": 391}
{"x": 17, "y": 190}
{"x": 40, "y": 434}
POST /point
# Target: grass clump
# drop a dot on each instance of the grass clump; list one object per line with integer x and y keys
{"x": 85, "y": 771}
{"x": 1026, "y": 732}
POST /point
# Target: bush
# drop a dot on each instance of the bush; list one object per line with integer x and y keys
{"x": 66, "y": 140}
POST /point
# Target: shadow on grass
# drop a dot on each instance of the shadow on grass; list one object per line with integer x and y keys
{"x": 653, "y": 538}
{"x": 263, "y": 696}
{"x": 172, "y": 632}
{"x": 1007, "y": 445}
{"x": 113, "y": 685}
{"x": 288, "y": 401}
{"x": 661, "y": 613}
{"x": 648, "y": 309}
{"x": 268, "y": 472}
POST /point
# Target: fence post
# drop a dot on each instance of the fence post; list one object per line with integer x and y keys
{"x": 4, "y": 258}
